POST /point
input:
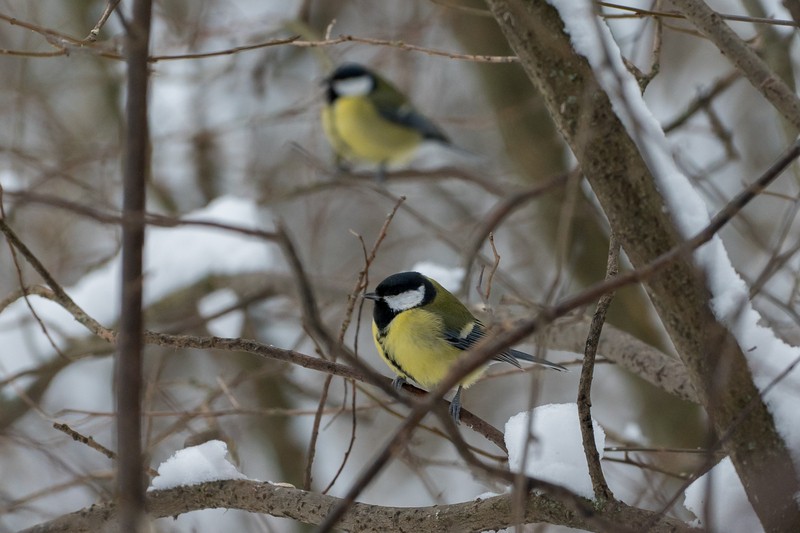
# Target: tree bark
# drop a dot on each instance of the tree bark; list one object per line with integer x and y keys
{"x": 312, "y": 508}
{"x": 639, "y": 216}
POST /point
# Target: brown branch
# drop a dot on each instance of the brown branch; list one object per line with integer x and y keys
{"x": 476, "y": 58}
{"x": 500, "y": 212}
{"x": 91, "y": 443}
{"x": 58, "y": 292}
{"x": 772, "y": 87}
{"x": 312, "y": 441}
{"x": 128, "y": 365}
{"x": 361, "y": 284}
{"x": 228, "y": 51}
{"x": 356, "y": 178}
{"x": 703, "y": 100}
{"x": 311, "y": 508}
{"x": 639, "y": 12}
{"x": 666, "y": 372}
{"x": 109, "y": 9}
{"x": 363, "y": 280}
{"x": 151, "y": 219}
{"x": 23, "y": 285}
{"x": 601, "y": 490}
{"x": 50, "y": 35}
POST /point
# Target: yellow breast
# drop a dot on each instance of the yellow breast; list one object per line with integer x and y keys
{"x": 357, "y": 132}
{"x": 414, "y": 348}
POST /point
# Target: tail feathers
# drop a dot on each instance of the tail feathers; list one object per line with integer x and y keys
{"x": 512, "y": 356}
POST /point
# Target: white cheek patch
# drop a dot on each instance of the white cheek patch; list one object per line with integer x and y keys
{"x": 358, "y": 86}
{"x": 405, "y": 300}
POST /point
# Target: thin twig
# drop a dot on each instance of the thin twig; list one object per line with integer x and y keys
{"x": 493, "y": 268}
{"x": 602, "y": 492}
{"x": 361, "y": 284}
{"x": 116, "y": 218}
{"x": 61, "y": 296}
{"x": 228, "y": 51}
{"x": 109, "y": 9}
{"x": 713, "y": 451}
{"x": 22, "y": 284}
{"x": 93, "y": 444}
{"x": 639, "y": 12}
{"x": 362, "y": 280}
{"x": 350, "y": 445}
{"x": 755, "y": 69}
{"x": 312, "y": 441}
{"x": 476, "y": 58}
{"x": 501, "y": 211}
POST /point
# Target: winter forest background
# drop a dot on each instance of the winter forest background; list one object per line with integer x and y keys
{"x": 516, "y": 221}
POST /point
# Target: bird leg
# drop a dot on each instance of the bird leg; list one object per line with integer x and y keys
{"x": 455, "y": 406}
{"x": 343, "y": 167}
{"x": 380, "y": 174}
{"x": 398, "y": 382}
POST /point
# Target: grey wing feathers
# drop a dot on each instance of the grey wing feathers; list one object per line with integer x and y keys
{"x": 509, "y": 356}
{"x": 407, "y": 116}
{"x": 516, "y": 354}
{"x": 464, "y": 343}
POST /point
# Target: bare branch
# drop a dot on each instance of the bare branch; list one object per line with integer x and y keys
{"x": 601, "y": 490}
{"x": 664, "y": 371}
{"x": 710, "y": 23}
{"x": 312, "y": 508}
{"x": 128, "y": 369}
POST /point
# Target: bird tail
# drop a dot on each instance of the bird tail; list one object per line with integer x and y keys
{"x": 522, "y": 356}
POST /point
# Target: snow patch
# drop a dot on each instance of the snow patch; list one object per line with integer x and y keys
{"x": 555, "y": 449}
{"x": 195, "y": 465}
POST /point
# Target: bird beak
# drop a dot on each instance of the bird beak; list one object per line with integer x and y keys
{"x": 372, "y": 296}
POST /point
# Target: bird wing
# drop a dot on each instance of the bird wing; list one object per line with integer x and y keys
{"x": 477, "y": 333}
{"x": 408, "y": 116}
{"x": 467, "y": 338}
{"x": 394, "y": 107}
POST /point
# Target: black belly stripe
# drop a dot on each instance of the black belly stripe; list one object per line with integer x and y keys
{"x": 392, "y": 361}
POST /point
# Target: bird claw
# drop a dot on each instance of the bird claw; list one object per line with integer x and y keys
{"x": 398, "y": 382}
{"x": 455, "y": 407}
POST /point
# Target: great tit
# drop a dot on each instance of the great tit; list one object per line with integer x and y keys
{"x": 420, "y": 330}
{"x": 367, "y": 120}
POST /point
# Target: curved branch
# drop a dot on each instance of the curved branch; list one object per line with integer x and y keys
{"x": 312, "y": 508}
{"x": 666, "y": 372}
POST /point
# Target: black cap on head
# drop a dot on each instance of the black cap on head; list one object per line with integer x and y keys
{"x": 400, "y": 283}
{"x": 349, "y": 70}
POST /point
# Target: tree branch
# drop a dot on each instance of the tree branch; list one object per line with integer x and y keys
{"x": 128, "y": 364}
{"x": 774, "y": 89}
{"x": 664, "y": 371}
{"x": 638, "y": 215}
{"x": 601, "y": 490}
{"x": 312, "y": 508}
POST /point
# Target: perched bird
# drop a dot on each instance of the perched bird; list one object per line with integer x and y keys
{"x": 367, "y": 120}
{"x": 420, "y": 331}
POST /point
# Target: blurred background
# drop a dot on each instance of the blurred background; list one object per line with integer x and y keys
{"x": 237, "y": 137}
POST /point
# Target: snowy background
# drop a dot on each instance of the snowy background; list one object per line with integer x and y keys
{"x": 236, "y": 139}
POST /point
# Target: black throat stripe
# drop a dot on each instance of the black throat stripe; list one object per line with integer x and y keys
{"x": 390, "y": 358}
